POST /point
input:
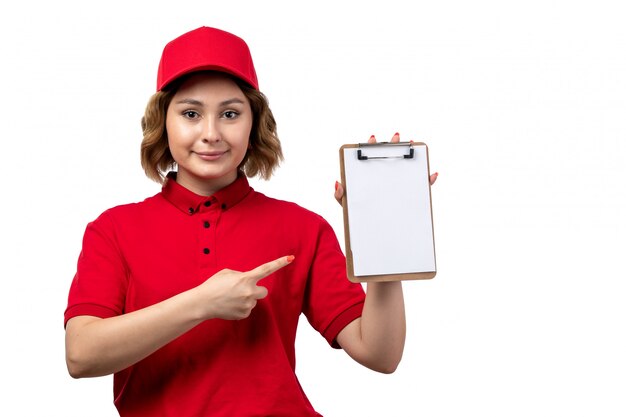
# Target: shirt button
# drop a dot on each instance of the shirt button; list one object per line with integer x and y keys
{"x": 223, "y": 206}
{"x": 206, "y": 251}
{"x": 206, "y": 225}
{"x": 191, "y": 210}
{"x": 207, "y": 203}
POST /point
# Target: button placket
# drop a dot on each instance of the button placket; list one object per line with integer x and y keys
{"x": 206, "y": 222}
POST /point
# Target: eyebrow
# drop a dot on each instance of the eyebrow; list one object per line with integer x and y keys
{"x": 195, "y": 102}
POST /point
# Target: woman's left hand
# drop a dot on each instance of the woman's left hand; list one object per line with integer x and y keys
{"x": 396, "y": 138}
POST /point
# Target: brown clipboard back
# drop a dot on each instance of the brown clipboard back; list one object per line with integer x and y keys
{"x": 413, "y": 275}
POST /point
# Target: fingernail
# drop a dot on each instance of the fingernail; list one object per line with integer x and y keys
{"x": 372, "y": 137}
{"x": 397, "y": 134}
{"x": 336, "y": 185}
{"x": 290, "y": 258}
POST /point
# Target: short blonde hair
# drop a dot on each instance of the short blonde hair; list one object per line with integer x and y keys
{"x": 264, "y": 153}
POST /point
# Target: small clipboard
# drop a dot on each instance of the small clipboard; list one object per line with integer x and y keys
{"x": 387, "y": 211}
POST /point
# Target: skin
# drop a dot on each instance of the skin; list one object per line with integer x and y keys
{"x": 208, "y": 125}
{"x": 97, "y": 347}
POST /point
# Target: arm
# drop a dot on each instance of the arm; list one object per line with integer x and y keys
{"x": 376, "y": 339}
{"x": 96, "y": 346}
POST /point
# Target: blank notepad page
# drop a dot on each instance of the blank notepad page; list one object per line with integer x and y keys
{"x": 389, "y": 211}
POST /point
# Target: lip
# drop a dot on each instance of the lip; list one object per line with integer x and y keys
{"x": 210, "y": 156}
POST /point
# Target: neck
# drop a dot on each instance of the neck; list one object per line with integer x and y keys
{"x": 203, "y": 186}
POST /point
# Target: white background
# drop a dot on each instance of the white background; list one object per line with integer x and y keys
{"x": 522, "y": 104}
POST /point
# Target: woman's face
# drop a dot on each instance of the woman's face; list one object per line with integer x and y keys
{"x": 208, "y": 125}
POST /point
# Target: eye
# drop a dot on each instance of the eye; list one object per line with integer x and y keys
{"x": 230, "y": 114}
{"x": 190, "y": 114}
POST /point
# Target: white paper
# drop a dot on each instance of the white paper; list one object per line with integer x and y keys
{"x": 389, "y": 213}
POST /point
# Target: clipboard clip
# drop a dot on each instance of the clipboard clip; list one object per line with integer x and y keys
{"x": 410, "y": 155}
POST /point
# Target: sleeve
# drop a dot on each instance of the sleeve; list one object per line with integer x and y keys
{"x": 331, "y": 300}
{"x": 100, "y": 284}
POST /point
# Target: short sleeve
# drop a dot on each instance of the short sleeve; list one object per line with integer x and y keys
{"x": 331, "y": 300}
{"x": 101, "y": 280}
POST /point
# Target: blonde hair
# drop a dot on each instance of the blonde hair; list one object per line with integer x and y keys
{"x": 264, "y": 153}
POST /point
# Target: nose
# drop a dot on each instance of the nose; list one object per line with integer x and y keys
{"x": 211, "y": 132}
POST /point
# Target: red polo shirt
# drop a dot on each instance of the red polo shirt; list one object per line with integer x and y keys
{"x": 139, "y": 254}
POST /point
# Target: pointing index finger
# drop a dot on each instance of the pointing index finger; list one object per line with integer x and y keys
{"x": 269, "y": 268}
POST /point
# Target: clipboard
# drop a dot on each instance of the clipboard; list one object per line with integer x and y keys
{"x": 387, "y": 211}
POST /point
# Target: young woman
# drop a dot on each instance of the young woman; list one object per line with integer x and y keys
{"x": 191, "y": 298}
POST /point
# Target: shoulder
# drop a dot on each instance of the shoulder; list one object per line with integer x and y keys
{"x": 128, "y": 212}
{"x": 286, "y": 210}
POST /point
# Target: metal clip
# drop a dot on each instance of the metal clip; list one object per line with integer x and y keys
{"x": 410, "y": 155}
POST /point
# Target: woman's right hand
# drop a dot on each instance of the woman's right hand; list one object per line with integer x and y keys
{"x": 231, "y": 295}
{"x": 95, "y": 346}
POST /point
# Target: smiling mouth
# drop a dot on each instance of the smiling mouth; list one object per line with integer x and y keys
{"x": 210, "y": 156}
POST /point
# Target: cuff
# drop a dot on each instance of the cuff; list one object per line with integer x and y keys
{"x": 342, "y": 320}
{"x": 88, "y": 310}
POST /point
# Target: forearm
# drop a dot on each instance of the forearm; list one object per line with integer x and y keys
{"x": 383, "y": 323}
{"x": 96, "y": 347}
{"x": 376, "y": 340}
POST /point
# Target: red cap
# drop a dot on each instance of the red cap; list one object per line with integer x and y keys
{"x": 206, "y": 48}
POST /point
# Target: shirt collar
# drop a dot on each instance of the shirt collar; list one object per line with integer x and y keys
{"x": 190, "y": 203}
